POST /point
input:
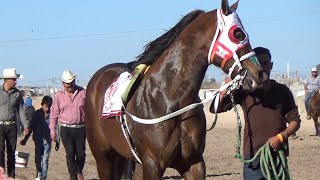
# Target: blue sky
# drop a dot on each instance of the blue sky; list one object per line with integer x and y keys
{"x": 43, "y": 38}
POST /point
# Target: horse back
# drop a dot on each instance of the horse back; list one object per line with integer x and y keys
{"x": 103, "y": 134}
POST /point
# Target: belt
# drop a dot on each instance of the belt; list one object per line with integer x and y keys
{"x": 7, "y": 123}
{"x": 312, "y": 90}
{"x": 72, "y": 125}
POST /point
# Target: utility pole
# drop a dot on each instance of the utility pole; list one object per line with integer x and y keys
{"x": 288, "y": 70}
{"x": 296, "y": 77}
{"x": 52, "y": 85}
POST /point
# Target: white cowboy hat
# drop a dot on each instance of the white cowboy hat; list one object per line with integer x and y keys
{"x": 10, "y": 73}
{"x": 314, "y": 69}
{"x": 67, "y": 76}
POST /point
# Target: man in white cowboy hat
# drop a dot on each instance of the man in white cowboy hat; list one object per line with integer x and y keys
{"x": 68, "y": 110}
{"x": 11, "y": 107}
{"x": 311, "y": 85}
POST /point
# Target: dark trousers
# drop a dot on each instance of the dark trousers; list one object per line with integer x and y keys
{"x": 38, "y": 151}
{"x": 8, "y": 139}
{"x": 74, "y": 142}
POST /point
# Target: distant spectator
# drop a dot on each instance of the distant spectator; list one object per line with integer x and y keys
{"x": 29, "y": 110}
{"x": 311, "y": 85}
{"x": 28, "y": 101}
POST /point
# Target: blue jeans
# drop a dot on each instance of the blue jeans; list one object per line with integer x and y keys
{"x": 42, "y": 153}
{"x": 252, "y": 171}
{"x": 307, "y": 101}
{"x": 45, "y": 159}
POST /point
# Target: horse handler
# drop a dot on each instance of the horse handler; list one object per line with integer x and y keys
{"x": 311, "y": 85}
{"x": 68, "y": 110}
{"x": 266, "y": 113}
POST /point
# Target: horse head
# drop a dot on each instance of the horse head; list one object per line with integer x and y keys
{"x": 231, "y": 50}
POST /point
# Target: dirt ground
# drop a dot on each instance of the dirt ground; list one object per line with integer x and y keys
{"x": 219, "y": 154}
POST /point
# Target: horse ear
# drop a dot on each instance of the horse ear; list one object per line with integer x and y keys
{"x": 235, "y": 5}
{"x": 225, "y": 7}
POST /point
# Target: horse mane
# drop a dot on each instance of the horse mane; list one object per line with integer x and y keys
{"x": 155, "y": 48}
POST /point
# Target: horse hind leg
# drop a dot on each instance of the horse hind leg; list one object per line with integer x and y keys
{"x": 129, "y": 169}
{"x": 104, "y": 167}
{"x": 111, "y": 166}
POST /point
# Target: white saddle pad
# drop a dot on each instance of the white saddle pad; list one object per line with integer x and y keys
{"x": 112, "y": 99}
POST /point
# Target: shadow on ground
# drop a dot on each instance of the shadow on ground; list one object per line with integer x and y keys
{"x": 209, "y": 175}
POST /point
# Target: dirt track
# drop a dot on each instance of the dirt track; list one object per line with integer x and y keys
{"x": 219, "y": 155}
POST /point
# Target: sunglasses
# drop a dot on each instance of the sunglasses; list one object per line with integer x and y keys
{"x": 13, "y": 79}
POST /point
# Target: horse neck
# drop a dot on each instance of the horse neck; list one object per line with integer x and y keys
{"x": 182, "y": 67}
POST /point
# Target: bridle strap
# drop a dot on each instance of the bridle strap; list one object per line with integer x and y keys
{"x": 215, "y": 94}
{"x": 246, "y": 56}
{"x": 224, "y": 63}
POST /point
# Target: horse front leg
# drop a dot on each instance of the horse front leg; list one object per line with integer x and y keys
{"x": 196, "y": 171}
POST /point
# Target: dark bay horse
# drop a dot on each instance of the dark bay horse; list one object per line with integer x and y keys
{"x": 315, "y": 111}
{"x": 179, "y": 60}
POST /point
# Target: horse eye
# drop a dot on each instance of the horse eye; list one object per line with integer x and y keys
{"x": 239, "y": 34}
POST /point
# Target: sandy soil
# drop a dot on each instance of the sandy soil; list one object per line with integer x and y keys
{"x": 219, "y": 154}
